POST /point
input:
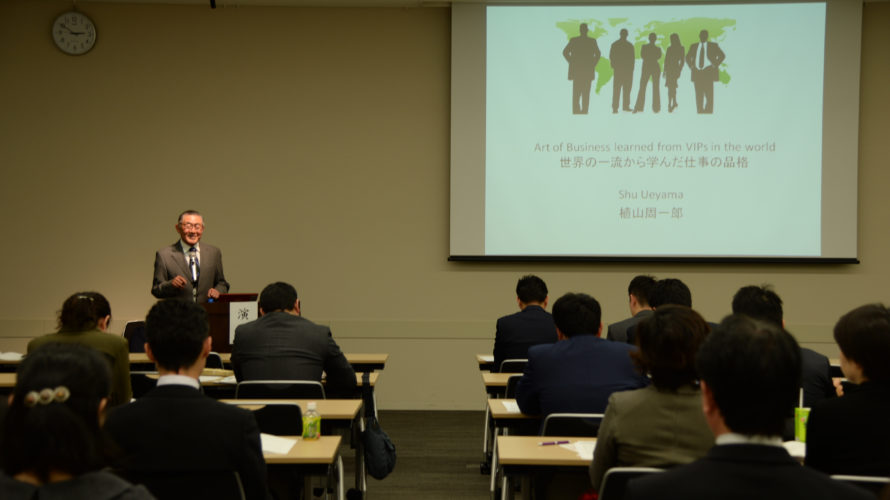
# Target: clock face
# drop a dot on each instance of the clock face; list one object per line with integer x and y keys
{"x": 74, "y": 33}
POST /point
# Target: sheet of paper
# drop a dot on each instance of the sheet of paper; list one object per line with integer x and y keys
{"x": 228, "y": 380}
{"x": 240, "y": 313}
{"x": 11, "y": 356}
{"x": 276, "y": 444}
{"x": 584, "y": 449}
{"x": 209, "y": 378}
{"x": 796, "y": 449}
{"x": 487, "y": 359}
{"x": 511, "y": 407}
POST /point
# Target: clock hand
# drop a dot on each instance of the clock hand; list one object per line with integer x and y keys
{"x": 72, "y": 32}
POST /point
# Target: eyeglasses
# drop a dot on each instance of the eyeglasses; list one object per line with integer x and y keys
{"x": 189, "y": 225}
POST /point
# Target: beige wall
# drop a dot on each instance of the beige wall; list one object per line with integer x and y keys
{"x": 316, "y": 143}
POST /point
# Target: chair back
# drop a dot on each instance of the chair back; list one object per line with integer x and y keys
{"x": 571, "y": 424}
{"x": 280, "y": 419}
{"x": 141, "y": 383}
{"x": 874, "y": 484}
{"x": 214, "y": 360}
{"x": 279, "y": 389}
{"x": 512, "y": 382}
{"x": 616, "y": 478}
{"x": 134, "y": 333}
{"x": 179, "y": 484}
{"x": 513, "y": 365}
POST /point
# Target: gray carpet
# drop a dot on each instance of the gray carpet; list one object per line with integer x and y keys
{"x": 438, "y": 456}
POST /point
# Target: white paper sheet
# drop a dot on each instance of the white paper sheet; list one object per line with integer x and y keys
{"x": 276, "y": 444}
{"x": 584, "y": 449}
{"x": 511, "y": 407}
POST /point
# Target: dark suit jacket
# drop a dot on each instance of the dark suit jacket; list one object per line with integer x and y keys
{"x": 576, "y": 375}
{"x": 170, "y": 262}
{"x": 281, "y": 346}
{"x": 849, "y": 434}
{"x": 618, "y": 331}
{"x": 715, "y": 57}
{"x": 176, "y": 428}
{"x": 742, "y": 472}
{"x": 517, "y": 332}
{"x": 815, "y": 377}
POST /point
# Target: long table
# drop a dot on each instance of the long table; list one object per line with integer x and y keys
{"x": 524, "y": 456}
{"x": 316, "y": 457}
{"x": 361, "y": 362}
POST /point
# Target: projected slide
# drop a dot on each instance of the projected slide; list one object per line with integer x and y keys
{"x": 686, "y": 130}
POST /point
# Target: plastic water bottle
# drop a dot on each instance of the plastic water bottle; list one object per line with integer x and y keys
{"x": 311, "y": 422}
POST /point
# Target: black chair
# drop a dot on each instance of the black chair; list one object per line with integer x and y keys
{"x": 279, "y": 389}
{"x": 280, "y": 419}
{"x": 180, "y": 484}
{"x": 134, "y": 333}
{"x": 616, "y": 478}
{"x": 512, "y": 382}
{"x": 214, "y": 360}
{"x": 571, "y": 424}
{"x": 513, "y": 365}
{"x": 141, "y": 383}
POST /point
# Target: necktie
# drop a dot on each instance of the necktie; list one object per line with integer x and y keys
{"x": 701, "y": 56}
{"x": 193, "y": 264}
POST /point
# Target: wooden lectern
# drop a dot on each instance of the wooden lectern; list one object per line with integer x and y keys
{"x": 218, "y": 316}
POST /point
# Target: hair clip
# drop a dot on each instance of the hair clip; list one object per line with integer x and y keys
{"x": 46, "y": 396}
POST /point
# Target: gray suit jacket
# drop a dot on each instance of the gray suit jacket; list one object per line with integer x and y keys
{"x": 170, "y": 262}
{"x": 281, "y": 346}
{"x": 618, "y": 331}
{"x": 650, "y": 428}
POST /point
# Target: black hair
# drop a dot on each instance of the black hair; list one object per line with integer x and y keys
{"x": 758, "y": 302}
{"x": 175, "y": 330}
{"x": 60, "y": 435}
{"x": 863, "y": 335}
{"x": 188, "y": 212}
{"x": 83, "y": 310}
{"x": 640, "y": 287}
{"x": 577, "y": 314}
{"x": 278, "y": 296}
{"x": 531, "y": 288}
{"x": 668, "y": 341}
{"x": 670, "y": 291}
{"x": 752, "y": 368}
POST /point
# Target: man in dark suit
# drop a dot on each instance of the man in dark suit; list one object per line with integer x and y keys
{"x": 188, "y": 270}
{"x": 663, "y": 292}
{"x": 750, "y": 373}
{"x": 580, "y": 372}
{"x": 760, "y": 302}
{"x": 582, "y": 54}
{"x": 848, "y": 435}
{"x": 704, "y": 59}
{"x": 283, "y": 345}
{"x": 532, "y": 325}
{"x": 174, "y": 428}
{"x": 638, "y": 299}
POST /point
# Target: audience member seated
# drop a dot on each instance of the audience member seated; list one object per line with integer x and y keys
{"x": 760, "y": 302}
{"x": 849, "y": 434}
{"x": 84, "y": 320}
{"x": 51, "y": 445}
{"x": 283, "y": 345}
{"x": 638, "y": 300}
{"x": 532, "y": 325}
{"x": 174, "y": 427}
{"x": 660, "y": 425}
{"x": 580, "y": 372}
{"x": 664, "y": 292}
{"x": 750, "y": 376}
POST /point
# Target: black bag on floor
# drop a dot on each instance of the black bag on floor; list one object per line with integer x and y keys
{"x": 380, "y": 453}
